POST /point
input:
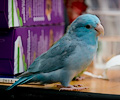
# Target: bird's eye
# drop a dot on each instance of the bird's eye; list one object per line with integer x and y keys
{"x": 88, "y": 26}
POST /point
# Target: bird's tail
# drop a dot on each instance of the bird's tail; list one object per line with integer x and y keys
{"x": 22, "y": 80}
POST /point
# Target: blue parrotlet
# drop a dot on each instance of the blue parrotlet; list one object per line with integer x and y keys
{"x": 68, "y": 57}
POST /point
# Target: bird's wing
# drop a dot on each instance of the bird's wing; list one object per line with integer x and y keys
{"x": 53, "y": 59}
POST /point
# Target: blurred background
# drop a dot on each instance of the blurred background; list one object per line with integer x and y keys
{"x": 109, "y": 13}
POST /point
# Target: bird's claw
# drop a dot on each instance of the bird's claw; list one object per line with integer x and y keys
{"x": 71, "y": 87}
{"x": 60, "y": 86}
{"x": 79, "y": 78}
{"x": 79, "y": 85}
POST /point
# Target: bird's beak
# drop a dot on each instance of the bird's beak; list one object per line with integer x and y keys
{"x": 100, "y": 30}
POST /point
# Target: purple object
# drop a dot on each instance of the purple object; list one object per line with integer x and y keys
{"x": 15, "y": 13}
{"x": 19, "y": 47}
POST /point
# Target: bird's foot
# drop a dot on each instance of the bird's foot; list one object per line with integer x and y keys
{"x": 72, "y": 87}
{"x": 60, "y": 86}
{"x": 79, "y": 78}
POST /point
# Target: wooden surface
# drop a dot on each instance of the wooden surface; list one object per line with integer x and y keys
{"x": 111, "y": 86}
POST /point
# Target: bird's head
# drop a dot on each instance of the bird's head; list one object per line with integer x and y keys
{"x": 86, "y": 24}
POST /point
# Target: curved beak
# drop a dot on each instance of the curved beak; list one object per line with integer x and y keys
{"x": 100, "y": 30}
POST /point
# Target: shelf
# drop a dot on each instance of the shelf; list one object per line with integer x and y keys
{"x": 42, "y": 94}
{"x": 109, "y": 89}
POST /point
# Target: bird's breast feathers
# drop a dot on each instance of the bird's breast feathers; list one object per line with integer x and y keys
{"x": 81, "y": 56}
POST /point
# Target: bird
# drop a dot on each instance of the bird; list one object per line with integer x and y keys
{"x": 67, "y": 57}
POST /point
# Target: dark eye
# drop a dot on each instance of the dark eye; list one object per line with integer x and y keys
{"x": 88, "y": 26}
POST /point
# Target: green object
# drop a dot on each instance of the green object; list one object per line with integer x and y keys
{"x": 12, "y": 13}
{"x": 24, "y": 63}
{"x": 18, "y": 15}
{"x": 99, "y": 47}
{"x": 79, "y": 74}
{"x": 18, "y": 57}
{"x": 20, "y": 19}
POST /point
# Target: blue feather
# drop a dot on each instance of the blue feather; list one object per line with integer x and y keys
{"x": 68, "y": 57}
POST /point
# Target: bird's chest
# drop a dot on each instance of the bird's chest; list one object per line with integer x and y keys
{"x": 81, "y": 57}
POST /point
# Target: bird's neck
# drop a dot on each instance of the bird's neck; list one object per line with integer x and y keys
{"x": 90, "y": 39}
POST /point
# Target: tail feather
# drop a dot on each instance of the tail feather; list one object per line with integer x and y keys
{"x": 22, "y": 80}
